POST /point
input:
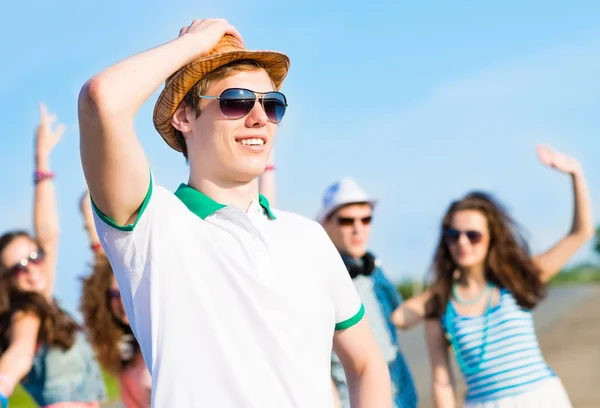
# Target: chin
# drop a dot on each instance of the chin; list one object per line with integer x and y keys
{"x": 38, "y": 289}
{"x": 248, "y": 174}
{"x": 467, "y": 262}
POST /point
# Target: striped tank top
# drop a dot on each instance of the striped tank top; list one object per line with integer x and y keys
{"x": 511, "y": 361}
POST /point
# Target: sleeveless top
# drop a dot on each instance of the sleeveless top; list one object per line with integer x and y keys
{"x": 65, "y": 376}
{"x": 510, "y": 362}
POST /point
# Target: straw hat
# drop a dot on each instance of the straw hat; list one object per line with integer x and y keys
{"x": 228, "y": 49}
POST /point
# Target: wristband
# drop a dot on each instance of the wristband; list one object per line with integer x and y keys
{"x": 270, "y": 167}
{"x": 96, "y": 246}
{"x": 42, "y": 175}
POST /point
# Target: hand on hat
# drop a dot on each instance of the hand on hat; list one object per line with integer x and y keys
{"x": 46, "y": 138}
{"x": 205, "y": 34}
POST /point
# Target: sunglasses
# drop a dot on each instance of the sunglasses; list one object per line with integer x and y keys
{"x": 113, "y": 294}
{"x": 347, "y": 221}
{"x": 35, "y": 258}
{"x": 452, "y": 236}
{"x": 235, "y": 103}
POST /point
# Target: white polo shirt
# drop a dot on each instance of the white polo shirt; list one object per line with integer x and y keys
{"x": 231, "y": 308}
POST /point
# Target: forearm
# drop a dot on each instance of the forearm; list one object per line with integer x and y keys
{"x": 336, "y": 395}
{"x": 13, "y": 367}
{"x": 443, "y": 396}
{"x": 125, "y": 86}
{"x": 411, "y": 312}
{"x": 371, "y": 387}
{"x": 45, "y": 211}
{"x": 583, "y": 223}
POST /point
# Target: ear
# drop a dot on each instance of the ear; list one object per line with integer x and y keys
{"x": 181, "y": 118}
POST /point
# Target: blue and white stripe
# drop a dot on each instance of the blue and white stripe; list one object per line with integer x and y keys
{"x": 512, "y": 361}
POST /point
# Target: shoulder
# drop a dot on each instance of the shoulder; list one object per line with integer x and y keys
{"x": 303, "y": 224}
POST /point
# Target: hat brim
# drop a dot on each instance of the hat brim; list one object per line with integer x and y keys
{"x": 276, "y": 63}
{"x": 326, "y": 212}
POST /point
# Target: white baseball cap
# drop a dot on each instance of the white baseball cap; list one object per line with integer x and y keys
{"x": 342, "y": 192}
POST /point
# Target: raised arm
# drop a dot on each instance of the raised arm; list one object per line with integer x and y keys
{"x": 411, "y": 312}
{"x": 443, "y": 386}
{"x": 266, "y": 182}
{"x": 16, "y": 361}
{"x": 85, "y": 206}
{"x": 114, "y": 163}
{"x": 366, "y": 370}
{"x": 45, "y": 213}
{"x": 582, "y": 228}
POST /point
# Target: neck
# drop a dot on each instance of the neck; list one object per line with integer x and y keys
{"x": 473, "y": 276}
{"x": 227, "y": 192}
{"x": 345, "y": 253}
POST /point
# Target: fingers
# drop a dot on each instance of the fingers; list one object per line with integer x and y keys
{"x": 229, "y": 29}
{"x": 234, "y": 32}
{"x": 59, "y": 131}
{"x": 216, "y": 24}
{"x": 43, "y": 111}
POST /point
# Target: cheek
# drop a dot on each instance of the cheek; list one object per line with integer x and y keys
{"x": 20, "y": 282}
{"x": 114, "y": 306}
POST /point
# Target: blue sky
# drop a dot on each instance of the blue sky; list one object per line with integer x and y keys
{"x": 419, "y": 101}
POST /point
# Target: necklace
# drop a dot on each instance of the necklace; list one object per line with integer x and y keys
{"x": 450, "y": 330}
{"x": 470, "y": 301}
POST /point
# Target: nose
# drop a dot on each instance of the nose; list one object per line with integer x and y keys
{"x": 463, "y": 240}
{"x": 257, "y": 117}
{"x": 357, "y": 227}
{"x": 33, "y": 272}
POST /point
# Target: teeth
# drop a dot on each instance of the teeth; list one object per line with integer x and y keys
{"x": 252, "y": 142}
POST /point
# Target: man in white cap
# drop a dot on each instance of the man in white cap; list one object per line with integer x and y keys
{"x": 346, "y": 214}
{"x": 214, "y": 293}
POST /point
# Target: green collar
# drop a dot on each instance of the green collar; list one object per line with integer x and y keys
{"x": 203, "y": 206}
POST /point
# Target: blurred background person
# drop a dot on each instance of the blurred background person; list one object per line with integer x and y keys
{"x": 108, "y": 326}
{"x": 42, "y": 346}
{"x": 485, "y": 286}
{"x": 346, "y": 214}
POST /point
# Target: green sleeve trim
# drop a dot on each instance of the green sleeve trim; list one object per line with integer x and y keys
{"x": 351, "y": 321}
{"x": 128, "y": 227}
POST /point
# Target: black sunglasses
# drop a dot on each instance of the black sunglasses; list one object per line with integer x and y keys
{"x": 452, "y": 236}
{"x": 348, "y": 221}
{"x": 113, "y": 294}
{"x": 235, "y": 103}
{"x": 35, "y": 258}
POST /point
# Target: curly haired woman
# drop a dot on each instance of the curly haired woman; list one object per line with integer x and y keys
{"x": 41, "y": 346}
{"x": 485, "y": 285}
{"x": 108, "y": 325}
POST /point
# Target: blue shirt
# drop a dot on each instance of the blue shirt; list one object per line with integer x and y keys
{"x": 65, "y": 376}
{"x": 387, "y": 299}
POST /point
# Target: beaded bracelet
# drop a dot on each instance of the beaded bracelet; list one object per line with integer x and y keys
{"x": 42, "y": 175}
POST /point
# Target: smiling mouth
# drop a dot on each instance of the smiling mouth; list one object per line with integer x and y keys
{"x": 252, "y": 142}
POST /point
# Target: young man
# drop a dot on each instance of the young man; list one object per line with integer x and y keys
{"x": 210, "y": 278}
{"x": 346, "y": 214}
